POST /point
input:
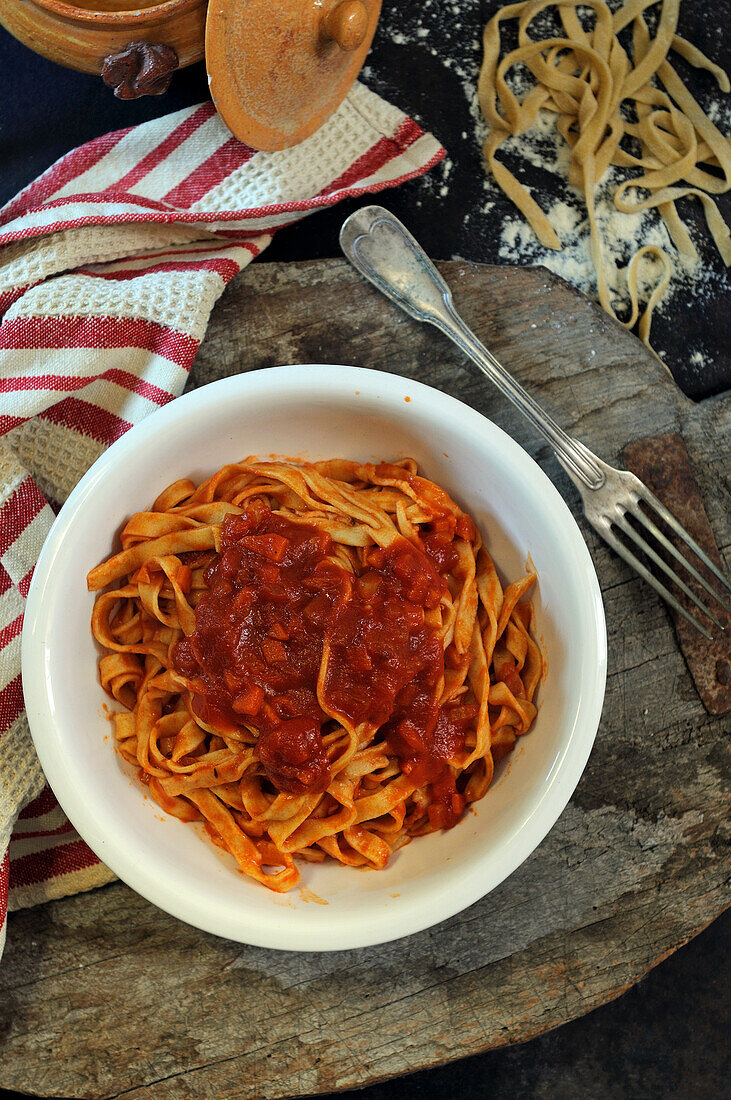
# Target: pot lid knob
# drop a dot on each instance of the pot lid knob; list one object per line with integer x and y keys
{"x": 346, "y": 24}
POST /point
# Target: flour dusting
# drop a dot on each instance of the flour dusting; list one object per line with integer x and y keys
{"x": 622, "y": 234}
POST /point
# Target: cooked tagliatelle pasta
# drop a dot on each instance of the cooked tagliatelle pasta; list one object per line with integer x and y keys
{"x": 613, "y": 106}
{"x": 315, "y": 660}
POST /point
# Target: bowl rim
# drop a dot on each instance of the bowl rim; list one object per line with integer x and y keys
{"x": 419, "y": 912}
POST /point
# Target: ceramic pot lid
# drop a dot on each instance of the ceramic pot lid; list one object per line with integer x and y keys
{"x": 278, "y": 68}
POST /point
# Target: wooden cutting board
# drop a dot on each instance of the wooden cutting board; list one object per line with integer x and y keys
{"x": 102, "y": 993}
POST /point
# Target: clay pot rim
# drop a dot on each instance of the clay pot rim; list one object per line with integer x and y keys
{"x": 133, "y": 17}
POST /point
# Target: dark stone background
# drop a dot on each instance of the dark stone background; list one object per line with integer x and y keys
{"x": 668, "y": 1036}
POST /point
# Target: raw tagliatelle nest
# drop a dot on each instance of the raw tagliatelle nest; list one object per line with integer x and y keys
{"x": 456, "y": 675}
{"x": 613, "y": 107}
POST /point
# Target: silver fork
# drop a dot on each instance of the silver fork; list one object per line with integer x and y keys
{"x": 383, "y": 250}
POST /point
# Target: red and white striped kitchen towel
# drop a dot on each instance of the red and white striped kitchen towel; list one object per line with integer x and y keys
{"x": 110, "y": 264}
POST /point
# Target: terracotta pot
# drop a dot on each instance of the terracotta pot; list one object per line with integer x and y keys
{"x": 277, "y": 68}
{"x": 84, "y": 34}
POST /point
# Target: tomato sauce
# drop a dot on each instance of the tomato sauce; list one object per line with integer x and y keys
{"x": 276, "y": 597}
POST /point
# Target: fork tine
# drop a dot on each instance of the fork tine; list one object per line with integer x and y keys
{"x": 653, "y": 556}
{"x": 649, "y": 498}
{"x": 608, "y": 535}
{"x": 672, "y": 549}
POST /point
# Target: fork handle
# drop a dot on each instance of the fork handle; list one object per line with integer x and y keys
{"x": 383, "y": 250}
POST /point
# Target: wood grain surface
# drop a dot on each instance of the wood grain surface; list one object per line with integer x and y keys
{"x": 662, "y": 462}
{"x": 103, "y": 995}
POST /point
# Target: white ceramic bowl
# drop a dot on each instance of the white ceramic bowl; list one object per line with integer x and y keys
{"x": 315, "y": 412}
